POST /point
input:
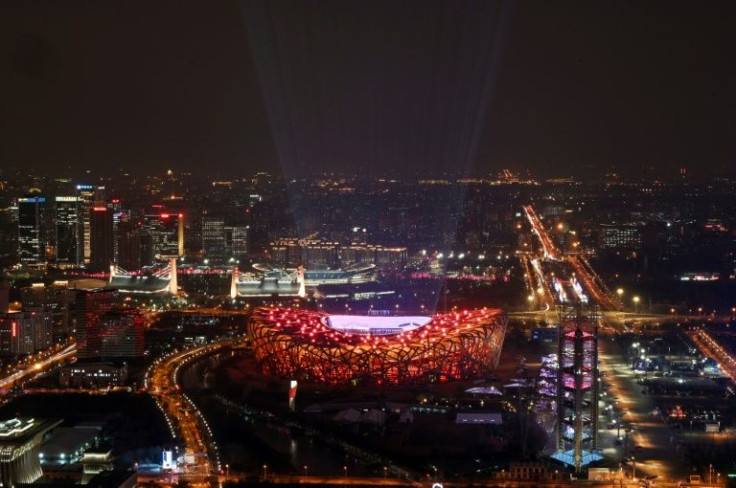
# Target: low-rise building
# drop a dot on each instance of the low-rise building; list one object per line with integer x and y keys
{"x": 95, "y": 375}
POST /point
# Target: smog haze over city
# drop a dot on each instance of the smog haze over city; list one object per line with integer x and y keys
{"x": 368, "y": 243}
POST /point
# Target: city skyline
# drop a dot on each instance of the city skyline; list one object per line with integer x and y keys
{"x": 372, "y": 243}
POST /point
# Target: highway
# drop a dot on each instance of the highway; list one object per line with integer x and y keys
{"x": 45, "y": 362}
{"x": 185, "y": 420}
{"x": 578, "y": 265}
{"x": 548, "y": 247}
{"x": 710, "y": 347}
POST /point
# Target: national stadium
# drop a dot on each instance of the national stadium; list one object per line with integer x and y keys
{"x": 318, "y": 347}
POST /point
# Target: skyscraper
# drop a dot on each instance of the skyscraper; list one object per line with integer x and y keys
{"x": 88, "y": 196}
{"x": 67, "y": 231}
{"x": 25, "y": 332}
{"x": 118, "y": 214}
{"x": 129, "y": 245}
{"x": 121, "y": 334}
{"x": 236, "y": 240}
{"x": 101, "y": 238}
{"x": 213, "y": 236}
{"x": 88, "y": 310}
{"x": 85, "y": 201}
{"x": 31, "y": 239}
{"x": 167, "y": 234}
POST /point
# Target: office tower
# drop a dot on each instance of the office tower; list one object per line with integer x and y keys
{"x": 129, "y": 245}
{"x": 67, "y": 231}
{"x": 121, "y": 334}
{"x": 118, "y": 215}
{"x": 236, "y": 240}
{"x": 167, "y": 234}
{"x": 101, "y": 238}
{"x": 85, "y": 202}
{"x": 88, "y": 310}
{"x": 87, "y": 197}
{"x": 620, "y": 236}
{"x": 31, "y": 241}
{"x": 8, "y": 235}
{"x": 213, "y": 236}
{"x": 58, "y": 299}
{"x": 25, "y": 332}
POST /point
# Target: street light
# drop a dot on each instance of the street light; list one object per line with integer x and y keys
{"x": 227, "y": 472}
{"x": 345, "y": 471}
{"x": 633, "y": 474}
{"x": 306, "y": 470}
{"x": 265, "y": 471}
{"x": 636, "y": 303}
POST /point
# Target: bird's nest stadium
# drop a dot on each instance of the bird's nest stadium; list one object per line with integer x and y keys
{"x": 317, "y": 347}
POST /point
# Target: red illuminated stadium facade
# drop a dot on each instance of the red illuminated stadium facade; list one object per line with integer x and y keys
{"x": 321, "y": 348}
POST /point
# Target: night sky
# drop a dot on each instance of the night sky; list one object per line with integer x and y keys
{"x": 230, "y": 88}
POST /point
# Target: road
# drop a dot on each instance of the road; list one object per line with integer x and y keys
{"x": 45, "y": 363}
{"x": 711, "y": 348}
{"x": 646, "y": 438}
{"x": 548, "y": 247}
{"x": 577, "y": 264}
{"x": 185, "y": 420}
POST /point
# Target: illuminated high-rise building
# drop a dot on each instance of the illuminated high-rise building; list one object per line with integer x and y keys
{"x": 167, "y": 234}
{"x": 213, "y": 236}
{"x": 620, "y": 236}
{"x": 25, "y": 332}
{"x": 118, "y": 215}
{"x": 120, "y": 335}
{"x": 67, "y": 231}
{"x": 31, "y": 238}
{"x": 236, "y": 240}
{"x": 89, "y": 307}
{"x": 101, "y": 238}
{"x": 88, "y": 196}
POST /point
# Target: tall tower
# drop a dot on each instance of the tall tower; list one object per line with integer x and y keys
{"x": 577, "y": 388}
{"x": 31, "y": 237}
{"x": 85, "y": 202}
{"x": 101, "y": 238}
{"x": 167, "y": 234}
{"x": 67, "y": 230}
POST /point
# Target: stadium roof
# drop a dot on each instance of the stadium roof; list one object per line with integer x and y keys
{"x": 139, "y": 284}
